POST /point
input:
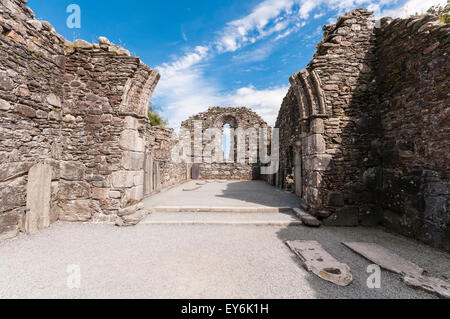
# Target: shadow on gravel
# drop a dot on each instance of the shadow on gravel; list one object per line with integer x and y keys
{"x": 261, "y": 193}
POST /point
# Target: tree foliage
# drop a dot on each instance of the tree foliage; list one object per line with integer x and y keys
{"x": 442, "y": 12}
{"x": 153, "y": 116}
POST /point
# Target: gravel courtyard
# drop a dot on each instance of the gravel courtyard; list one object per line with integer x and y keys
{"x": 205, "y": 261}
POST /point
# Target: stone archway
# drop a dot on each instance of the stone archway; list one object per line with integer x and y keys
{"x": 241, "y": 119}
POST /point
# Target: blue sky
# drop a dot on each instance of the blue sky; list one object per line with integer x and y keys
{"x": 221, "y": 52}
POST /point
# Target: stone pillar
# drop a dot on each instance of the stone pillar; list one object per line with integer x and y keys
{"x": 315, "y": 161}
{"x": 38, "y": 198}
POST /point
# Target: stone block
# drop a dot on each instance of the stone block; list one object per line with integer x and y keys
{"x": 53, "y": 100}
{"x": 133, "y": 219}
{"x": 123, "y": 179}
{"x": 313, "y": 178}
{"x": 69, "y": 190}
{"x": 131, "y": 141}
{"x": 335, "y": 199}
{"x": 317, "y": 126}
{"x": 78, "y": 210}
{"x": 9, "y": 224}
{"x": 346, "y": 217}
{"x": 4, "y": 105}
{"x": 25, "y": 110}
{"x": 313, "y": 198}
{"x": 320, "y": 162}
{"x": 38, "y": 198}
{"x": 72, "y": 171}
{"x": 115, "y": 194}
{"x": 13, "y": 170}
{"x": 131, "y": 123}
{"x": 100, "y": 193}
{"x": 133, "y": 195}
{"x": 314, "y": 144}
{"x": 139, "y": 179}
{"x": 6, "y": 83}
{"x": 12, "y": 196}
{"x": 133, "y": 161}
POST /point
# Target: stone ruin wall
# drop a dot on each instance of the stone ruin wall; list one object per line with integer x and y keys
{"x": 317, "y": 122}
{"x": 413, "y": 78}
{"x": 236, "y": 117}
{"x": 379, "y": 153}
{"x": 74, "y": 134}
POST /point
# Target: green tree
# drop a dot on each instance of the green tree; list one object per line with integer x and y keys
{"x": 153, "y": 116}
{"x": 442, "y": 12}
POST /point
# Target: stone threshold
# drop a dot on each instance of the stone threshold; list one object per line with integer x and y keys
{"x": 214, "y": 209}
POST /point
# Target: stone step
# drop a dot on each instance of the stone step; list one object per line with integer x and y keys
{"x": 206, "y": 209}
{"x": 217, "y": 218}
{"x": 132, "y": 219}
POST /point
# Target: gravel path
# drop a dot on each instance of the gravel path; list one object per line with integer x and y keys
{"x": 149, "y": 261}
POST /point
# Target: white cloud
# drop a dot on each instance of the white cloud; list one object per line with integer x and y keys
{"x": 257, "y": 24}
{"x": 188, "y": 85}
{"x": 265, "y": 102}
{"x": 412, "y": 7}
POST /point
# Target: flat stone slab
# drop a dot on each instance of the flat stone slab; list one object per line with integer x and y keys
{"x": 190, "y": 189}
{"x": 246, "y": 219}
{"x": 306, "y": 218}
{"x": 318, "y": 261}
{"x": 413, "y": 275}
{"x": 219, "y": 209}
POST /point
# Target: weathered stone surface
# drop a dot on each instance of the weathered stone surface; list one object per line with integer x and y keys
{"x": 306, "y": 218}
{"x": 38, "y": 198}
{"x": 72, "y": 171}
{"x": 131, "y": 141}
{"x": 9, "y": 225}
{"x": 383, "y": 125}
{"x": 103, "y": 40}
{"x": 77, "y": 210}
{"x": 4, "y": 105}
{"x": 238, "y": 118}
{"x": 347, "y": 217}
{"x": 100, "y": 193}
{"x": 10, "y": 171}
{"x": 130, "y": 210}
{"x": 25, "y": 110}
{"x": 335, "y": 199}
{"x": 69, "y": 190}
{"x": 133, "y": 219}
{"x": 314, "y": 144}
{"x": 133, "y": 161}
{"x": 317, "y": 162}
{"x": 82, "y": 44}
{"x": 53, "y": 100}
{"x": 412, "y": 274}
{"x": 321, "y": 263}
{"x": 123, "y": 179}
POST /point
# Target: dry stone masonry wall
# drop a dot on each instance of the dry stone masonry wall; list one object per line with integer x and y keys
{"x": 413, "y": 78}
{"x": 364, "y": 128}
{"x": 217, "y": 117}
{"x": 75, "y": 142}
